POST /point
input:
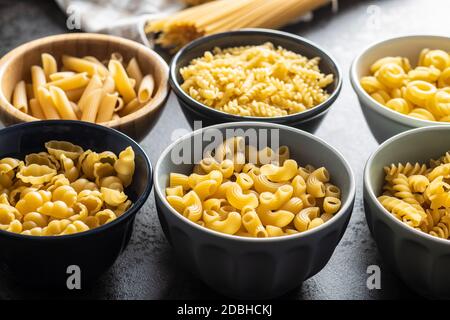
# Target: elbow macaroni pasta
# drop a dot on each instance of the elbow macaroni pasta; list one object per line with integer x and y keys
{"x": 422, "y": 92}
{"x": 419, "y": 195}
{"x": 59, "y": 191}
{"x": 267, "y": 199}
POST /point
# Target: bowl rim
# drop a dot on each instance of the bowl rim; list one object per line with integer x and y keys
{"x": 154, "y": 104}
{"x": 136, "y": 206}
{"x": 321, "y": 107}
{"x": 368, "y": 185}
{"x": 347, "y": 205}
{"x": 375, "y": 105}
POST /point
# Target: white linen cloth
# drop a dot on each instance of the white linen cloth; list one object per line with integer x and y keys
{"x": 125, "y": 18}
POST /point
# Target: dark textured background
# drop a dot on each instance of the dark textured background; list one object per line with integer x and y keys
{"x": 148, "y": 269}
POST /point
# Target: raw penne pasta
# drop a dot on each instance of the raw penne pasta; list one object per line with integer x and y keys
{"x": 35, "y": 109}
{"x": 62, "y": 103}
{"x": 90, "y": 105}
{"x": 77, "y": 81}
{"x": 106, "y": 109}
{"x": 108, "y": 85}
{"x": 94, "y": 84}
{"x": 75, "y": 94}
{"x": 83, "y": 88}
{"x": 49, "y": 65}
{"x": 121, "y": 80}
{"x": 119, "y": 104}
{"x": 79, "y": 65}
{"x": 20, "y": 97}
{"x": 61, "y": 75}
{"x": 135, "y": 72}
{"x": 37, "y": 78}
{"x": 102, "y": 69}
{"x": 130, "y": 107}
{"x": 146, "y": 88}
{"x": 46, "y": 102}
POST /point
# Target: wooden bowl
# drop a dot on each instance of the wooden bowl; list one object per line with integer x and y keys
{"x": 15, "y": 66}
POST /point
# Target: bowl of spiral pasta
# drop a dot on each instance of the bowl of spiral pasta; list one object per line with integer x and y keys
{"x": 255, "y": 75}
{"x": 403, "y": 83}
{"x": 253, "y": 214}
{"x": 90, "y": 77}
{"x": 69, "y": 194}
{"x": 407, "y": 206}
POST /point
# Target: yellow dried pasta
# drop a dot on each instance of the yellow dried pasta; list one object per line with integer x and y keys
{"x": 258, "y": 81}
{"x": 419, "y": 195}
{"x": 267, "y": 199}
{"x": 422, "y": 92}
{"x": 63, "y": 191}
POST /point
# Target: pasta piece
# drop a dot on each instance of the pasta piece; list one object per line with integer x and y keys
{"x": 46, "y": 102}
{"x": 121, "y": 80}
{"x": 49, "y": 65}
{"x": 38, "y": 79}
{"x": 77, "y": 81}
{"x": 79, "y": 65}
{"x": 135, "y": 72}
{"x": 59, "y": 148}
{"x": 91, "y": 105}
{"x": 20, "y": 97}
{"x": 106, "y": 108}
{"x": 125, "y": 166}
{"x": 146, "y": 88}
{"x": 36, "y": 110}
{"x": 62, "y": 103}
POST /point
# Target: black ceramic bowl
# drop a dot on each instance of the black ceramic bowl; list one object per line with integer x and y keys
{"x": 308, "y": 120}
{"x": 44, "y": 261}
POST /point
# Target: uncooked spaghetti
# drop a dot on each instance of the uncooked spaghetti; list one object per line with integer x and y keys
{"x": 176, "y": 30}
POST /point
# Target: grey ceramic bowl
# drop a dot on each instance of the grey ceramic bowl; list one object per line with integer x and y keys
{"x": 242, "y": 267}
{"x": 384, "y": 122}
{"x": 420, "y": 260}
{"x": 308, "y": 120}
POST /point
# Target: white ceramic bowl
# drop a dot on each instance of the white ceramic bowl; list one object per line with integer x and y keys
{"x": 384, "y": 122}
{"x": 419, "y": 259}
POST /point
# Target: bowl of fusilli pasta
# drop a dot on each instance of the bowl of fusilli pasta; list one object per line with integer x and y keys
{"x": 407, "y": 207}
{"x": 403, "y": 83}
{"x": 255, "y": 75}
{"x": 253, "y": 218}
{"x": 69, "y": 195}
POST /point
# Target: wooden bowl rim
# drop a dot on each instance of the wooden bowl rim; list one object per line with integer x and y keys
{"x": 162, "y": 89}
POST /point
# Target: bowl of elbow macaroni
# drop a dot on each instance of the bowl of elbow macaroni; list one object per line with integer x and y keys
{"x": 69, "y": 194}
{"x": 253, "y": 214}
{"x": 403, "y": 83}
{"x": 95, "y": 78}
{"x": 407, "y": 207}
{"x": 255, "y": 75}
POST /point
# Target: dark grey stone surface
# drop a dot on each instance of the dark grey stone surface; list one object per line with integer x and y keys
{"x": 148, "y": 269}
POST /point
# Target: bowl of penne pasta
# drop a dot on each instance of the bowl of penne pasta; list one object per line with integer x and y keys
{"x": 255, "y": 75}
{"x": 403, "y": 83}
{"x": 95, "y": 78}
{"x": 251, "y": 213}
{"x": 69, "y": 195}
{"x": 407, "y": 207}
